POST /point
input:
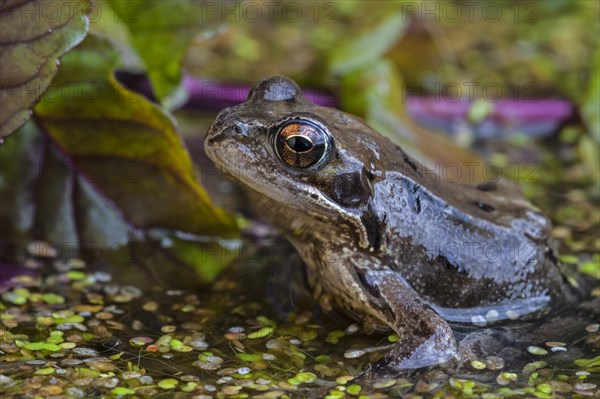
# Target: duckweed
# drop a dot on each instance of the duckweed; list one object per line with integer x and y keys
{"x": 478, "y": 365}
{"x": 46, "y": 371}
{"x": 263, "y": 332}
{"x": 354, "y": 389}
{"x": 592, "y": 364}
{"x": 122, "y": 391}
{"x": 302, "y": 378}
{"x": 536, "y": 350}
{"x": 168, "y": 383}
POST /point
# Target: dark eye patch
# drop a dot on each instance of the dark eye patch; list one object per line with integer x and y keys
{"x": 371, "y": 288}
{"x": 350, "y": 189}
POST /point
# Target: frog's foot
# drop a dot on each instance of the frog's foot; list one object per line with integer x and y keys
{"x": 406, "y": 357}
{"x": 438, "y": 348}
{"x": 425, "y": 338}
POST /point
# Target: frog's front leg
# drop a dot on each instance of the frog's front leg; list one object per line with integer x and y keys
{"x": 425, "y": 338}
{"x": 370, "y": 291}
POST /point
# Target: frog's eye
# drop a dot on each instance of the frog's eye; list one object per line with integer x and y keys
{"x": 301, "y": 144}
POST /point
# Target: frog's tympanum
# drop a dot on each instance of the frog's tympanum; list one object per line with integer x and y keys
{"x": 384, "y": 238}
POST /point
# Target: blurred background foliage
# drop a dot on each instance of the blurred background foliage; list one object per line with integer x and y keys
{"x": 371, "y": 54}
{"x": 512, "y": 43}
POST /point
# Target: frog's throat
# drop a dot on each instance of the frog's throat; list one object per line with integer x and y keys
{"x": 311, "y": 199}
{"x": 353, "y": 219}
{"x": 261, "y": 191}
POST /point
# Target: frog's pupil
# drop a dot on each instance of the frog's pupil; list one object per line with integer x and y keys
{"x": 299, "y": 144}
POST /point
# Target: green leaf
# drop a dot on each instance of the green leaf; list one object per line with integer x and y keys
{"x": 250, "y": 357}
{"x": 168, "y": 383}
{"x": 263, "y": 332}
{"x": 86, "y": 372}
{"x": 302, "y": 378}
{"x": 358, "y": 51}
{"x": 45, "y": 371}
{"x": 33, "y": 35}
{"x": 122, "y": 391}
{"x": 126, "y": 146}
{"x": 53, "y": 299}
{"x": 34, "y": 346}
{"x": 590, "y": 364}
{"x": 354, "y": 389}
{"x": 161, "y": 32}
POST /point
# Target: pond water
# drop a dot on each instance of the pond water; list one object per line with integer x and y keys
{"x": 71, "y": 330}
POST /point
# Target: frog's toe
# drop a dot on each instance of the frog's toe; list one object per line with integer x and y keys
{"x": 440, "y": 347}
{"x": 380, "y": 370}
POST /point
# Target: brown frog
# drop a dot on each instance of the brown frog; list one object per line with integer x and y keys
{"x": 383, "y": 237}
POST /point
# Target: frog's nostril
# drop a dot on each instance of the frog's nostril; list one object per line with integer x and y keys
{"x": 229, "y": 132}
{"x": 236, "y": 129}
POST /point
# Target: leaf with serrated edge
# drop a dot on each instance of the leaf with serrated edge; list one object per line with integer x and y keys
{"x": 33, "y": 34}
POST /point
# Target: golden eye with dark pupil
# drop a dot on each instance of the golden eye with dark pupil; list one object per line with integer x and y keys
{"x": 301, "y": 144}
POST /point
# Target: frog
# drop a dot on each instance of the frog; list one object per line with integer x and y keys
{"x": 385, "y": 239}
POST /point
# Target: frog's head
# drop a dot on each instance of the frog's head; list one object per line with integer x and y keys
{"x": 297, "y": 158}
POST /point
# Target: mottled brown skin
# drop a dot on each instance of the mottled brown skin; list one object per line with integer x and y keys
{"x": 385, "y": 239}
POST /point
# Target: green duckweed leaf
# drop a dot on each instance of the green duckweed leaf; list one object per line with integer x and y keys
{"x": 589, "y": 364}
{"x": 250, "y": 357}
{"x": 168, "y": 383}
{"x": 263, "y": 332}
{"x": 122, "y": 391}
{"x": 302, "y": 378}
{"x": 45, "y": 371}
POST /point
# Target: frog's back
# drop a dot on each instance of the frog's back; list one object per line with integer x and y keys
{"x": 471, "y": 252}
